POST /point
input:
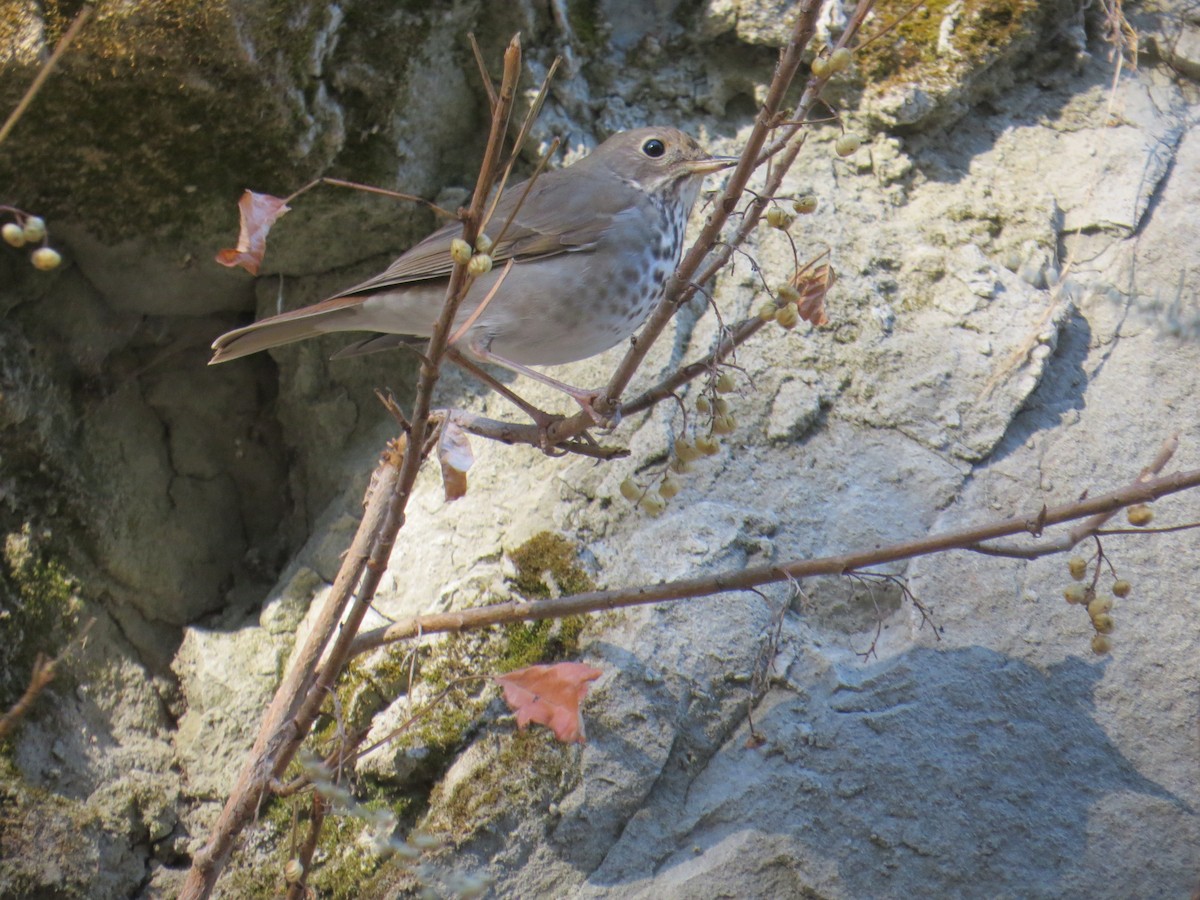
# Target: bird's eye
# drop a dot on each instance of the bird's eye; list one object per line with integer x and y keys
{"x": 654, "y": 148}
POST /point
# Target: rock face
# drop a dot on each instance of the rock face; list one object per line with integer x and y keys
{"x": 1014, "y": 324}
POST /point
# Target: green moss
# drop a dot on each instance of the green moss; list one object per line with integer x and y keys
{"x": 549, "y": 560}
{"x": 161, "y": 114}
{"x": 37, "y": 610}
{"x": 346, "y": 860}
{"x": 50, "y": 842}
{"x": 910, "y": 50}
{"x": 584, "y": 17}
{"x": 528, "y": 769}
{"x": 455, "y": 672}
{"x": 547, "y": 565}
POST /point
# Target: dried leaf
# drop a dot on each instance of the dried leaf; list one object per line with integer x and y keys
{"x": 813, "y": 285}
{"x": 454, "y": 453}
{"x": 258, "y": 213}
{"x": 550, "y": 696}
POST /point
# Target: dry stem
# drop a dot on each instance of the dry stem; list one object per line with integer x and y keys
{"x": 44, "y": 72}
{"x": 744, "y": 579}
{"x": 299, "y": 699}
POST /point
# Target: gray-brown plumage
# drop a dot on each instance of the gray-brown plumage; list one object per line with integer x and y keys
{"x": 593, "y": 245}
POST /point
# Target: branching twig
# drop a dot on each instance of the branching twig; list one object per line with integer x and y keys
{"x": 298, "y": 700}
{"x": 513, "y": 433}
{"x": 744, "y": 579}
{"x": 1084, "y": 529}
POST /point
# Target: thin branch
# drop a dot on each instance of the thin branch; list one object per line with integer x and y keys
{"x": 483, "y": 304}
{"x": 483, "y": 72}
{"x": 1165, "y": 529}
{"x": 1083, "y": 530}
{"x": 471, "y": 368}
{"x": 534, "y": 110}
{"x": 541, "y": 165}
{"x": 745, "y": 579}
{"x": 513, "y": 433}
{"x": 299, "y": 699}
{"x": 367, "y": 189}
{"x": 39, "y": 679}
{"x": 732, "y": 339}
{"x": 395, "y": 195}
{"x": 298, "y": 889}
{"x": 44, "y": 72}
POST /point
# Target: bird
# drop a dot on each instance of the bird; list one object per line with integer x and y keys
{"x": 592, "y": 246}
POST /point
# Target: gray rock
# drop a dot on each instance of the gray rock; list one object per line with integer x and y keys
{"x": 1013, "y": 324}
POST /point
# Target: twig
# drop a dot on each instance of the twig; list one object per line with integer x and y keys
{"x": 478, "y": 311}
{"x": 1084, "y": 529}
{"x": 468, "y": 365}
{"x": 745, "y": 579}
{"x": 1165, "y": 529}
{"x": 39, "y": 678}
{"x": 298, "y": 889}
{"x": 534, "y": 110}
{"x": 44, "y": 72}
{"x": 299, "y": 699}
{"x": 732, "y": 339}
{"x": 513, "y": 433}
{"x": 483, "y": 72}
{"x": 541, "y": 165}
{"x": 369, "y": 189}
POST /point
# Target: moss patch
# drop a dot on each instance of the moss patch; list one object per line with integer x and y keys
{"x": 37, "y": 610}
{"x": 910, "y": 51}
{"x": 456, "y": 674}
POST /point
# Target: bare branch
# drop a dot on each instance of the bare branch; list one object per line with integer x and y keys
{"x": 299, "y": 699}
{"x": 44, "y": 72}
{"x": 745, "y": 579}
{"x": 395, "y": 195}
{"x": 483, "y": 72}
{"x": 512, "y": 433}
{"x": 1086, "y": 529}
{"x": 39, "y": 678}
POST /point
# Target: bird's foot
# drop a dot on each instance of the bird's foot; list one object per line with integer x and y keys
{"x": 587, "y": 401}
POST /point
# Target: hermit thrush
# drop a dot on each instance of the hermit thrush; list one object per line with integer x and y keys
{"x": 593, "y": 245}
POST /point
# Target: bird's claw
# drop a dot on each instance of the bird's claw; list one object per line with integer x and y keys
{"x": 605, "y": 422}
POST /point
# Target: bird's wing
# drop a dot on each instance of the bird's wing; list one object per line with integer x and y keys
{"x": 559, "y": 215}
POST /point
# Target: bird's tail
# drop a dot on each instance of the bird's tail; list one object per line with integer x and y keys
{"x": 287, "y": 328}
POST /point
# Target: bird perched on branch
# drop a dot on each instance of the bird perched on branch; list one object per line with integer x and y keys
{"x": 592, "y": 247}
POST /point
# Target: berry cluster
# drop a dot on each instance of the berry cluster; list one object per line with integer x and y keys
{"x": 827, "y": 64}
{"x": 783, "y": 309}
{"x": 803, "y": 204}
{"x": 477, "y": 261}
{"x": 1099, "y": 607}
{"x": 721, "y": 421}
{"x": 27, "y": 229}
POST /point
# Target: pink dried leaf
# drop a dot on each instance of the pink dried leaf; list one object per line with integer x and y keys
{"x": 258, "y": 213}
{"x": 550, "y": 696}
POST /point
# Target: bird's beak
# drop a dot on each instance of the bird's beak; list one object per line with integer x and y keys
{"x": 712, "y": 164}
